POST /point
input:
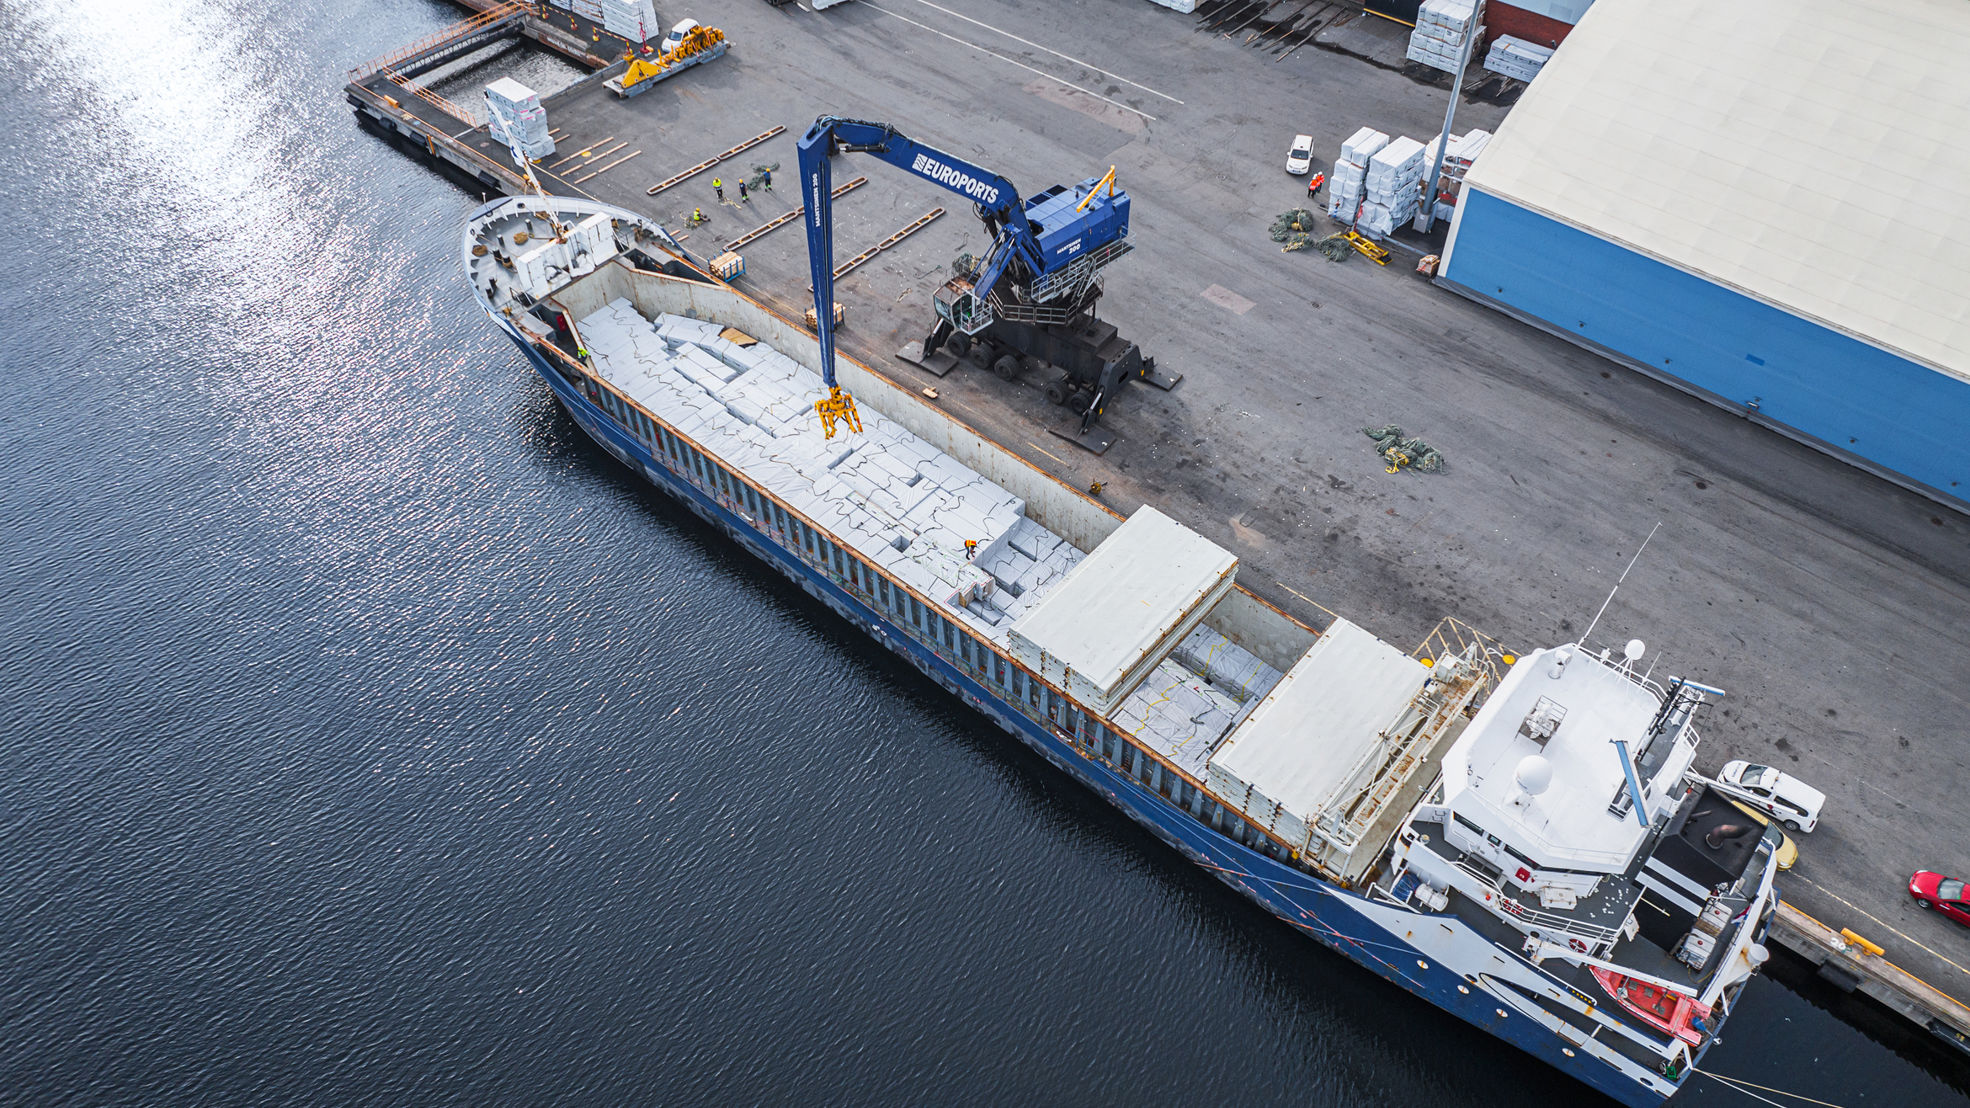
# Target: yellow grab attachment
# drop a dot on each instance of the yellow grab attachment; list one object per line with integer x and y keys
{"x": 838, "y": 405}
{"x": 1369, "y": 250}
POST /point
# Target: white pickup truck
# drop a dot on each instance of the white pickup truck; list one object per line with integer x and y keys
{"x": 1784, "y": 797}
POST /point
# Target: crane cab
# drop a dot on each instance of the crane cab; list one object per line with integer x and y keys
{"x": 1077, "y": 221}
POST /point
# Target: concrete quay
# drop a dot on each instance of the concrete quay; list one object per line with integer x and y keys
{"x": 1833, "y": 606}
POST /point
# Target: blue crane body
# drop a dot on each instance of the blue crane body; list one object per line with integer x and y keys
{"x": 1044, "y": 250}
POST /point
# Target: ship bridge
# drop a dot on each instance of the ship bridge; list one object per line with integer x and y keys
{"x": 1536, "y": 785}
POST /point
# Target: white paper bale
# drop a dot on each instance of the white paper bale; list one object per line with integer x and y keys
{"x": 1401, "y": 155}
{"x": 1363, "y": 145}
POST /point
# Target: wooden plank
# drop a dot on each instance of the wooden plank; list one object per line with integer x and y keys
{"x": 782, "y": 220}
{"x": 606, "y": 168}
{"x": 584, "y": 150}
{"x": 709, "y": 162}
{"x": 911, "y": 228}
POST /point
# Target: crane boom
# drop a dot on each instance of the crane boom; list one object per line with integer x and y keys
{"x": 1033, "y": 240}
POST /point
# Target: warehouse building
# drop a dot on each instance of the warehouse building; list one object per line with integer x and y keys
{"x": 1766, "y": 203}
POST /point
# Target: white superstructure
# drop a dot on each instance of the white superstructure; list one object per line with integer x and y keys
{"x": 1568, "y": 821}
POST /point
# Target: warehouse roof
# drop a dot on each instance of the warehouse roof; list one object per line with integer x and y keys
{"x": 1809, "y": 153}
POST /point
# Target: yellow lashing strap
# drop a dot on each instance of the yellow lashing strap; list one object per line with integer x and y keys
{"x": 837, "y": 405}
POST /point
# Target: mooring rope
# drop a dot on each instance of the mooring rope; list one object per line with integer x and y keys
{"x": 1745, "y": 1087}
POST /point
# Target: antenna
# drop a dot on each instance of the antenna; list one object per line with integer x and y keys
{"x": 1617, "y": 583}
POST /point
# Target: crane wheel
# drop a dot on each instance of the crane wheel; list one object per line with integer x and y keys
{"x": 1057, "y": 392}
{"x": 959, "y": 344}
{"x": 1007, "y": 367}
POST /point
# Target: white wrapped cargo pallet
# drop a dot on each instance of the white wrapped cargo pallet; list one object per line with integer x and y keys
{"x": 1446, "y": 18}
{"x": 1463, "y": 151}
{"x": 1515, "y": 57}
{"x": 1345, "y": 188}
{"x": 1441, "y": 29}
{"x": 1113, "y": 618}
{"x": 635, "y": 20}
{"x": 1401, "y": 158}
{"x": 1184, "y": 6}
{"x": 1447, "y": 15}
{"x": 1362, "y": 145}
{"x": 1376, "y": 220}
{"x": 512, "y": 95}
{"x": 1442, "y": 40}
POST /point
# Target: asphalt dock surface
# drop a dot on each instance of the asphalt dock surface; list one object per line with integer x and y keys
{"x": 1832, "y": 605}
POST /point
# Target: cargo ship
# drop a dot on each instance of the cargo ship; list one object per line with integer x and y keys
{"x": 1515, "y": 839}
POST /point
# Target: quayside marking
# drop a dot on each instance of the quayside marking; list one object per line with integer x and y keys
{"x": 1007, "y": 60}
{"x": 1872, "y": 916}
{"x": 1050, "y": 50}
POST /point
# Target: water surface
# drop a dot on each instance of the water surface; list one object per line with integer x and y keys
{"x": 373, "y": 739}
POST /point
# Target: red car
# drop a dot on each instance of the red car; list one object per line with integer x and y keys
{"x": 1945, "y": 895}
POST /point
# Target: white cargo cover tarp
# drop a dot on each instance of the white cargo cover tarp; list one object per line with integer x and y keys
{"x": 1117, "y": 613}
{"x": 1298, "y": 747}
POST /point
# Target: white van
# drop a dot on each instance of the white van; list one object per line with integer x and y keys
{"x": 1786, "y": 798}
{"x": 676, "y": 35}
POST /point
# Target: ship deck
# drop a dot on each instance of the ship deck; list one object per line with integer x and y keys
{"x": 1608, "y": 908}
{"x": 903, "y": 505}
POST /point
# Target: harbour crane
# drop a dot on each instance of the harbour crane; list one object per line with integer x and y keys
{"x": 1029, "y": 299}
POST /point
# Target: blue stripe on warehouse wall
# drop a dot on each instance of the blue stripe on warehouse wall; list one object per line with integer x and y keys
{"x": 1819, "y": 384}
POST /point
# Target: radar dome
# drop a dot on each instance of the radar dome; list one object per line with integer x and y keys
{"x": 1534, "y": 774}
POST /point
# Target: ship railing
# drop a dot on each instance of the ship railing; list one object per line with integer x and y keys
{"x": 1071, "y": 282}
{"x": 1018, "y": 311}
{"x": 1452, "y": 637}
{"x": 1381, "y": 770}
{"x": 1550, "y": 925}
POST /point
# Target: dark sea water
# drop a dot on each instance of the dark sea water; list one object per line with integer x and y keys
{"x": 373, "y": 739}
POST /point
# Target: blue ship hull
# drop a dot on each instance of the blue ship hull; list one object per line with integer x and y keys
{"x": 1327, "y": 913}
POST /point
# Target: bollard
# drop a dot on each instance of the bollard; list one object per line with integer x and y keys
{"x": 1856, "y": 940}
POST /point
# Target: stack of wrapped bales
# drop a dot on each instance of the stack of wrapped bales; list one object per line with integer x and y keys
{"x": 1441, "y": 27}
{"x": 1345, "y": 185}
{"x": 1392, "y": 187}
{"x": 516, "y": 106}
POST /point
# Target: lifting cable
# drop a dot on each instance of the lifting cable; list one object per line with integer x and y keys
{"x": 1745, "y": 1087}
